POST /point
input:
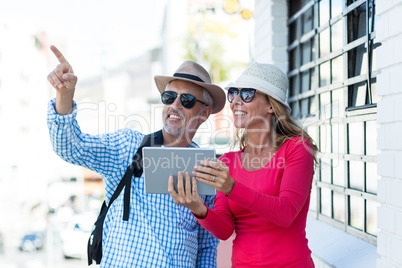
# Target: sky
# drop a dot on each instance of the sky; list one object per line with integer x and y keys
{"x": 93, "y": 34}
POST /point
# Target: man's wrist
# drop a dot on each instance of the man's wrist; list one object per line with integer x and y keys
{"x": 63, "y": 106}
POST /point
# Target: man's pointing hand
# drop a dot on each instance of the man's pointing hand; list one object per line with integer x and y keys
{"x": 63, "y": 79}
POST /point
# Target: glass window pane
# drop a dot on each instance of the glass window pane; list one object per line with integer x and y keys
{"x": 295, "y": 109}
{"x": 325, "y": 74}
{"x": 371, "y": 212}
{"x": 338, "y": 106}
{"x": 338, "y": 140}
{"x": 305, "y": 84}
{"x": 336, "y": 8}
{"x": 304, "y": 107}
{"x": 306, "y": 52}
{"x": 312, "y": 131}
{"x": 337, "y": 70}
{"x": 357, "y": 61}
{"x": 294, "y": 8}
{"x": 293, "y": 59}
{"x": 339, "y": 206}
{"x": 374, "y": 60}
{"x": 314, "y": 78}
{"x": 325, "y": 138}
{"x": 338, "y": 172}
{"x": 349, "y": 2}
{"x": 356, "y": 141}
{"x": 371, "y": 138}
{"x": 357, "y": 23}
{"x": 371, "y": 177}
{"x": 308, "y": 21}
{"x": 292, "y": 32}
{"x": 326, "y": 206}
{"x": 313, "y": 198}
{"x": 358, "y": 95}
{"x": 313, "y": 102}
{"x": 335, "y": 137}
{"x": 324, "y": 12}
{"x": 371, "y": 15}
{"x": 337, "y": 36}
{"x": 325, "y": 105}
{"x": 375, "y": 98}
{"x": 324, "y": 42}
{"x": 356, "y": 175}
{"x": 356, "y": 212}
{"x": 325, "y": 165}
{"x": 294, "y": 86}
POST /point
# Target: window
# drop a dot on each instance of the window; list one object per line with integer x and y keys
{"x": 332, "y": 75}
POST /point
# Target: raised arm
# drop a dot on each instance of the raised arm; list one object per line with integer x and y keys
{"x": 63, "y": 79}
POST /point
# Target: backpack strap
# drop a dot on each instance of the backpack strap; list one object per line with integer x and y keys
{"x": 135, "y": 168}
{"x": 152, "y": 140}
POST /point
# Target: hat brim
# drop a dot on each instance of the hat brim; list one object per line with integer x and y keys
{"x": 247, "y": 85}
{"x": 217, "y": 93}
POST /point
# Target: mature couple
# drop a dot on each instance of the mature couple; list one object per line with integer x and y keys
{"x": 265, "y": 205}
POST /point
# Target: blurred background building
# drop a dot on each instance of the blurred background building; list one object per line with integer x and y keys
{"x": 343, "y": 64}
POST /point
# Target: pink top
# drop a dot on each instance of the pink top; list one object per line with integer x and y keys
{"x": 267, "y": 208}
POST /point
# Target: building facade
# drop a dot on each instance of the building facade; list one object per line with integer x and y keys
{"x": 343, "y": 63}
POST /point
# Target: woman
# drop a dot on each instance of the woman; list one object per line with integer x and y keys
{"x": 263, "y": 189}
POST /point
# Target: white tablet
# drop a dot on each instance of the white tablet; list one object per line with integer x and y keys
{"x": 161, "y": 162}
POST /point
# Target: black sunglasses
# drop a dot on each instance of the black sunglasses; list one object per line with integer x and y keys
{"x": 246, "y": 94}
{"x": 188, "y": 101}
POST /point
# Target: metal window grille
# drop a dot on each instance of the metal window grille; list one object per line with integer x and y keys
{"x": 332, "y": 78}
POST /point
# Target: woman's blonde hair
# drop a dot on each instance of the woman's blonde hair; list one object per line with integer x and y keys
{"x": 284, "y": 125}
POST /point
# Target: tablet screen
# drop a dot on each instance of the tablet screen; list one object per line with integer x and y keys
{"x": 161, "y": 162}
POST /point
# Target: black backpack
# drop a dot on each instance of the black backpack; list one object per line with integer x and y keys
{"x": 95, "y": 240}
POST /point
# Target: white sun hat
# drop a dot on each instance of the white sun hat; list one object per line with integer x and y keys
{"x": 266, "y": 78}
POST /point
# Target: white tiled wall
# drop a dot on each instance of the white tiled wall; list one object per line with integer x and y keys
{"x": 271, "y": 33}
{"x": 389, "y": 87}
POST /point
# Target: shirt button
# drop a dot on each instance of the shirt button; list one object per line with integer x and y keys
{"x": 56, "y": 122}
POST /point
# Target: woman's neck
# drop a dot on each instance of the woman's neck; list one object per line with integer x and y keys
{"x": 260, "y": 142}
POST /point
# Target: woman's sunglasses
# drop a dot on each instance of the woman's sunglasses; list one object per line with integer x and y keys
{"x": 246, "y": 94}
{"x": 188, "y": 101}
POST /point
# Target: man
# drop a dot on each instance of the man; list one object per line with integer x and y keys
{"x": 159, "y": 232}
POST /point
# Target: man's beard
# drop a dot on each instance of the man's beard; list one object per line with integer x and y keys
{"x": 180, "y": 131}
{"x": 174, "y": 130}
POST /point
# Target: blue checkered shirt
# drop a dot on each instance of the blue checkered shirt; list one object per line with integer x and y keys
{"x": 159, "y": 232}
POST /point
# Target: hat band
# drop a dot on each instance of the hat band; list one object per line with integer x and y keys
{"x": 189, "y": 76}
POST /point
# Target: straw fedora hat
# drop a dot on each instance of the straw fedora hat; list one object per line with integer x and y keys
{"x": 266, "y": 78}
{"x": 194, "y": 73}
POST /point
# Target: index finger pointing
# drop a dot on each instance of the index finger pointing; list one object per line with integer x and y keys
{"x": 58, "y": 54}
